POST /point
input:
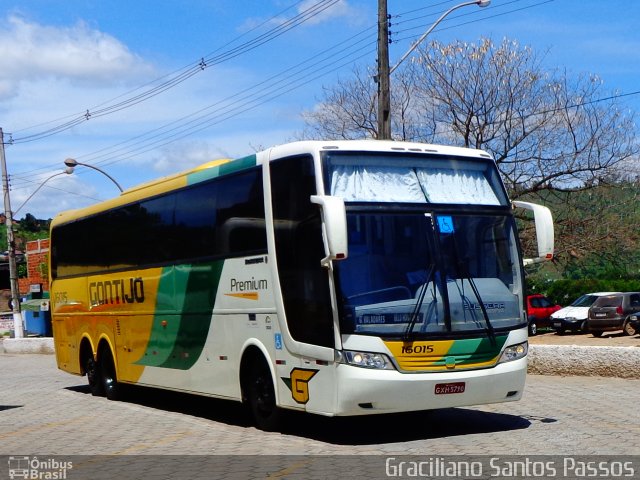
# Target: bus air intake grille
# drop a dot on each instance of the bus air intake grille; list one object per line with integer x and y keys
{"x": 446, "y": 355}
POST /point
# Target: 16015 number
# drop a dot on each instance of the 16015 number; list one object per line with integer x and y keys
{"x": 417, "y": 349}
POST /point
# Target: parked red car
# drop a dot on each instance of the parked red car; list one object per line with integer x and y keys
{"x": 539, "y": 309}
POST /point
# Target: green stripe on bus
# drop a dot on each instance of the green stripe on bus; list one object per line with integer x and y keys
{"x": 200, "y": 287}
{"x": 474, "y": 350}
{"x": 177, "y": 341}
{"x": 224, "y": 169}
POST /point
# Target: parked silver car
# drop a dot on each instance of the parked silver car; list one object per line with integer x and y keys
{"x": 613, "y": 312}
{"x": 574, "y": 317}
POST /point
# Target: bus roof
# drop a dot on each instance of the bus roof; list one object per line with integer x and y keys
{"x": 369, "y": 146}
{"x": 223, "y": 166}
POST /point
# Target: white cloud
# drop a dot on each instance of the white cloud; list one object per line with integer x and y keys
{"x": 341, "y": 9}
{"x": 61, "y": 193}
{"x": 30, "y": 51}
{"x": 184, "y": 155}
{"x": 337, "y": 10}
{"x": 51, "y": 74}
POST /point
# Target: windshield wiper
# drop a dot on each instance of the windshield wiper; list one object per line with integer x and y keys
{"x": 466, "y": 274}
{"x": 415, "y": 314}
{"x": 463, "y": 271}
{"x": 490, "y": 331}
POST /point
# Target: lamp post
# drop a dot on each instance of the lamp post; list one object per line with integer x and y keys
{"x": 72, "y": 163}
{"x": 66, "y": 171}
{"x": 18, "y": 328}
{"x": 384, "y": 72}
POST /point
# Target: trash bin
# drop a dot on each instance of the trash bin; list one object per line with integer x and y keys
{"x": 37, "y": 318}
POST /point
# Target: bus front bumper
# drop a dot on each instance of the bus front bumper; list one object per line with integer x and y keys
{"x": 364, "y": 391}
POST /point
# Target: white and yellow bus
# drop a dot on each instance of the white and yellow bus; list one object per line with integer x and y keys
{"x": 338, "y": 278}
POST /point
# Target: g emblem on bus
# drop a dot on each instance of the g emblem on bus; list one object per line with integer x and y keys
{"x": 298, "y": 383}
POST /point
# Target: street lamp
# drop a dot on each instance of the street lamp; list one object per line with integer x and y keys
{"x": 18, "y": 328}
{"x": 72, "y": 163}
{"x": 66, "y": 171}
{"x": 384, "y": 72}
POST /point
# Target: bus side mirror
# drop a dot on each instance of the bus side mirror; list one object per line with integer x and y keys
{"x": 544, "y": 231}
{"x": 334, "y": 231}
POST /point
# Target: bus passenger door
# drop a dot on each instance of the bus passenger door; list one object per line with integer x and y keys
{"x": 308, "y": 377}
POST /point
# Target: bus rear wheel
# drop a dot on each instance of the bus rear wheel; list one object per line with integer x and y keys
{"x": 261, "y": 397}
{"x": 93, "y": 375}
{"x": 108, "y": 377}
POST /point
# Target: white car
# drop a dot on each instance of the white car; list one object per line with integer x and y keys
{"x": 574, "y": 317}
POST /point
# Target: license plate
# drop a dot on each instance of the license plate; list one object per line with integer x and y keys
{"x": 557, "y": 324}
{"x": 448, "y": 388}
{"x": 599, "y": 315}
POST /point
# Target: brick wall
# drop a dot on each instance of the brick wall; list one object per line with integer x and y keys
{"x": 37, "y": 255}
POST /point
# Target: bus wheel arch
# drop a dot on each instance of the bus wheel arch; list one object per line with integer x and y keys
{"x": 259, "y": 390}
{"x": 89, "y": 367}
{"x": 108, "y": 372}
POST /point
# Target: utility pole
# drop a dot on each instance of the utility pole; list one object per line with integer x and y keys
{"x": 384, "y": 72}
{"x": 384, "y": 95}
{"x": 11, "y": 246}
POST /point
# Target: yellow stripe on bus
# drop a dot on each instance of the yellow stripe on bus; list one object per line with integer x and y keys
{"x": 246, "y": 296}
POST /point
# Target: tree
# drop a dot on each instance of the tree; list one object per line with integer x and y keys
{"x": 597, "y": 234}
{"x": 348, "y": 110}
{"x": 545, "y": 129}
{"x": 551, "y": 134}
{"x": 25, "y": 230}
{"x": 30, "y": 223}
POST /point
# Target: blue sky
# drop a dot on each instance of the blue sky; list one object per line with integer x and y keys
{"x": 62, "y": 59}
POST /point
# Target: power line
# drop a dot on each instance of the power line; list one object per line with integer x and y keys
{"x": 421, "y": 27}
{"x": 309, "y": 13}
{"x": 167, "y": 76}
{"x": 352, "y": 49}
{"x": 295, "y": 76}
{"x": 182, "y": 75}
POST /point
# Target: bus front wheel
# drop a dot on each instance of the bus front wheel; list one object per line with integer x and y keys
{"x": 261, "y": 398}
{"x": 112, "y": 388}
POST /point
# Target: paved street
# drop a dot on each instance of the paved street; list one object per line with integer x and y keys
{"x": 44, "y": 411}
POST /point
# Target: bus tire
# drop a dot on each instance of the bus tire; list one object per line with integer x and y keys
{"x": 261, "y": 398}
{"x": 112, "y": 389}
{"x": 93, "y": 375}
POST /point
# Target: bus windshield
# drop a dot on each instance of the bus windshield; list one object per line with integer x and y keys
{"x": 429, "y": 274}
{"x": 432, "y": 248}
{"x": 414, "y": 179}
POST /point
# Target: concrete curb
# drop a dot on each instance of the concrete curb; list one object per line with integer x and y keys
{"x": 622, "y": 362}
{"x": 27, "y": 345}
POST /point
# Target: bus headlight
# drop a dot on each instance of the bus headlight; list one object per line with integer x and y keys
{"x": 514, "y": 352}
{"x": 378, "y": 361}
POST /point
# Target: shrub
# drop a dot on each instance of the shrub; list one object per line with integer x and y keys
{"x": 564, "y": 292}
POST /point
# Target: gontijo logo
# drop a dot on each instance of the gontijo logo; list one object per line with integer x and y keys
{"x": 117, "y": 291}
{"x": 298, "y": 383}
